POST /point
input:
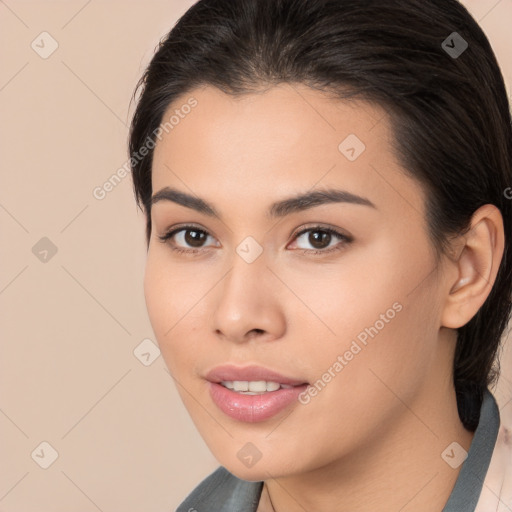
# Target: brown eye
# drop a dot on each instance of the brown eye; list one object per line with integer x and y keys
{"x": 194, "y": 238}
{"x": 321, "y": 238}
{"x": 186, "y": 239}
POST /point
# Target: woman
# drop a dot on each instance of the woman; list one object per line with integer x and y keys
{"x": 329, "y": 265}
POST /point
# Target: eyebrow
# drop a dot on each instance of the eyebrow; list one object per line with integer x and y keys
{"x": 280, "y": 208}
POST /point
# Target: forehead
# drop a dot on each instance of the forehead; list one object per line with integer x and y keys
{"x": 283, "y": 140}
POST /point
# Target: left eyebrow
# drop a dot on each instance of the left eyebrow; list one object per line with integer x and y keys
{"x": 280, "y": 208}
{"x": 316, "y": 198}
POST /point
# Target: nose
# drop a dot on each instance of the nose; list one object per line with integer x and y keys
{"x": 247, "y": 304}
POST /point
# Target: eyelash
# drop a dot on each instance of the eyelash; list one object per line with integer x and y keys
{"x": 344, "y": 239}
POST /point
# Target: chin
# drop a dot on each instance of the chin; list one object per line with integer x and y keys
{"x": 268, "y": 466}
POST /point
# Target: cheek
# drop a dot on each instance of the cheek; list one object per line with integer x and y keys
{"x": 156, "y": 293}
{"x": 376, "y": 310}
{"x": 341, "y": 299}
{"x": 172, "y": 306}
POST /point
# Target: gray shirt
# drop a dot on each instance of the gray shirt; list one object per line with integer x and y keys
{"x": 223, "y": 492}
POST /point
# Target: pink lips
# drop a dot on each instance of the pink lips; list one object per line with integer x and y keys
{"x": 252, "y": 408}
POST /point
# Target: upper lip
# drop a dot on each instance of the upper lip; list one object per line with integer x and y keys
{"x": 229, "y": 372}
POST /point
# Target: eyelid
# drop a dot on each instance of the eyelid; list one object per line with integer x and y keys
{"x": 320, "y": 227}
{"x": 168, "y": 232}
{"x": 343, "y": 239}
{"x": 171, "y": 232}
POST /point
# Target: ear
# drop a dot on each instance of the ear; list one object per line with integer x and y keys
{"x": 473, "y": 272}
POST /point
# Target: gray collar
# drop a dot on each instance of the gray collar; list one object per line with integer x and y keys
{"x": 223, "y": 492}
{"x": 467, "y": 489}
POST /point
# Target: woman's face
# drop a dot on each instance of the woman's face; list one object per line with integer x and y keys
{"x": 354, "y": 316}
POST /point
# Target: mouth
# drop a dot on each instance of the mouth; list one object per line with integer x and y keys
{"x": 252, "y": 393}
{"x": 253, "y": 387}
{"x": 251, "y": 378}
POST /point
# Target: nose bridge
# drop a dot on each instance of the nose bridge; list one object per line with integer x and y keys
{"x": 245, "y": 302}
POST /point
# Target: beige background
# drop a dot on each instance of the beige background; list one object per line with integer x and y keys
{"x": 69, "y": 326}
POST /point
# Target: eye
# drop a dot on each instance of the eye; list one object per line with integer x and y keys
{"x": 323, "y": 239}
{"x": 187, "y": 239}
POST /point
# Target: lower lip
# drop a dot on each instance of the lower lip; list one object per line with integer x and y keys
{"x": 253, "y": 408}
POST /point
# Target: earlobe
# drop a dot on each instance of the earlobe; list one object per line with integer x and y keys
{"x": 475, "y": 268}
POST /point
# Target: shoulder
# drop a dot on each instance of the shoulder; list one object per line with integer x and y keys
{"x": 222, "y": 491}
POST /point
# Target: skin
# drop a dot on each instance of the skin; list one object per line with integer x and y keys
{"x": 373, "y": 437}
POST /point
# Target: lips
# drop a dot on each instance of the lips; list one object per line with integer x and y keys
{"x": 247, "y": 406}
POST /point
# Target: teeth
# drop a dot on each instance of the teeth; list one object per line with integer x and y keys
{"x": 253, "y": 387}
{"x": 240, "y": 385}
{"x": 272, "y": 386}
